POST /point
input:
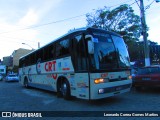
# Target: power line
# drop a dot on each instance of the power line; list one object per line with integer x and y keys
{"x": 34, "y": 42}
{"x": 138, "y": 4}
{"x": 132, "y": 3}
{"x": 66, "y": 19}
{"x": 148, "y": 6}
{"x": 121, "y": 3}
{"x": 44, "y": 24}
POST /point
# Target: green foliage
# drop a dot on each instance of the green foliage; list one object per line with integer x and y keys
{"x": 15, "y": 69}
{"x": 121, "y": 20}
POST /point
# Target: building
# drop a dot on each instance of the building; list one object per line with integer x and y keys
{"x": 19, "y": 53}
{"x": 2, "y": 69}
{"x": 8, "y": 61}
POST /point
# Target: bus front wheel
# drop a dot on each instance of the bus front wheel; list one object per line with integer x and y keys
{"x": 65, "y": 90}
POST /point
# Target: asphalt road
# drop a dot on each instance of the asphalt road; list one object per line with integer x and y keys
{"x": 14, "y": 97}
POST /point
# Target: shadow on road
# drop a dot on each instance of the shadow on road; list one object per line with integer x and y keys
{"x": 149, "y": 90}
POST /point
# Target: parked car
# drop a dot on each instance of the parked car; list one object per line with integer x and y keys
{"x": 1, "y": 77}
{"x": 133, "y": 72}
{"x": 147, "y": 77}
{"x": 12, "y": 77}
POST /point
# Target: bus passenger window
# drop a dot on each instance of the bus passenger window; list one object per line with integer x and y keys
{"x": 39, "y": 55}
{"x": 62, "y": 48}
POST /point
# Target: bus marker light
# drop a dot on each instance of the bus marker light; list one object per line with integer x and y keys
{"x": 100, "y": 80}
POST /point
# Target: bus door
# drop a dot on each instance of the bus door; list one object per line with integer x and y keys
{"x": 79, "y": 59}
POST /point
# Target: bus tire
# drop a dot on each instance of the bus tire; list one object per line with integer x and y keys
{"x": 65, "y": 90}
{"x": 26, "y": 83}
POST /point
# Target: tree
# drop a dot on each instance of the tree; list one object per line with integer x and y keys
{"x": 15, "y": 69}
{"x": 121, "y": 20}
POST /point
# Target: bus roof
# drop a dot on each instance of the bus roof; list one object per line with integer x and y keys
{"x": 74, "y": 31}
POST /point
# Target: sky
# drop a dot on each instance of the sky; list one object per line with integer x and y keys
{"x": 33, "y": 21}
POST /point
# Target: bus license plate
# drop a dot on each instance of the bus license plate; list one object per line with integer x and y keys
{"x": 118, "y": 88}
{"x": 146, "y": 78}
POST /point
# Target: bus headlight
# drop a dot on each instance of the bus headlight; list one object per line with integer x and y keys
{"x": 100, "y": 91}
{"x": 99, "y": 80}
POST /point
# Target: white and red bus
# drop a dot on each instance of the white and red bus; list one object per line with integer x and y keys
{"x": 87, "y": 63}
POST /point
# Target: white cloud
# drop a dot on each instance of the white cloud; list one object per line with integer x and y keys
{"x": 29, "y": 19}
{"x": 154, "y": 34}
{"x": 153, "y": 28}
{"x": 11, "y": 37}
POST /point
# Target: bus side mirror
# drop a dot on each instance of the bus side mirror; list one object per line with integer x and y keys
{"x": 90, "y": 47}
{"x": 90, "y": 40}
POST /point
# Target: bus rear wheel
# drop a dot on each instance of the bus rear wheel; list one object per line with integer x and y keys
{"x": 65, "y": 90}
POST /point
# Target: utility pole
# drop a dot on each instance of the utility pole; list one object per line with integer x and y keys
{"x": 144, "y": 33}
{"x": 38, "y": 44}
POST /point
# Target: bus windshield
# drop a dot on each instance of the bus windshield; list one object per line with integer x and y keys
{"x": 109, "y": 52}
{"x": 123, "y": 57}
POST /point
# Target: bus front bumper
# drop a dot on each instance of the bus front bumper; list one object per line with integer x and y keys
{"x": 108, "y": 91}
